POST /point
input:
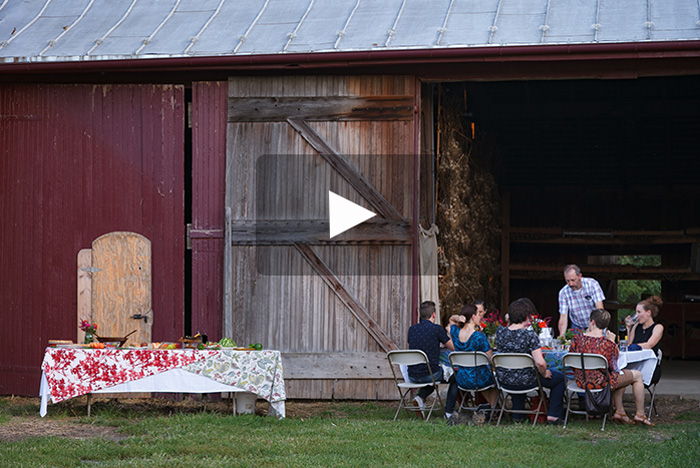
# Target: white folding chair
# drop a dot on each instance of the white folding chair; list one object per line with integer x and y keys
{"x": 513, "y": 361}
{"x": 590, "y": 362}
{"x": 411, "y": 357}
{"x": 651, "y": 388}
{"x": 471, "y": 359}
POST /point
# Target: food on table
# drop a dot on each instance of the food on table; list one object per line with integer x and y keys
{"x": 227, "y": 343}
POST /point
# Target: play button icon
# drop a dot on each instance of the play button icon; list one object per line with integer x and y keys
{"x": 344, "y": 214}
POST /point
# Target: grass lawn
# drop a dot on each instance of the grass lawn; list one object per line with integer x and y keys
{"x": 160, "y": 433}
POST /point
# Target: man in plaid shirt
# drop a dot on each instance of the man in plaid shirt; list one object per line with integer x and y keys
{"x": 577, "y": 299}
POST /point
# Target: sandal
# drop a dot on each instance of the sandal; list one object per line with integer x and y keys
{"x": 643, "y": 421}
{"x": 621, "y": 418}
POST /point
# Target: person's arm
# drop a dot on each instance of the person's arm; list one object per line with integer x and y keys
{"x": 454, "y": 320}
{"x": 630, "y": 333}
{"x": 610, "y": 335}
{"x": 541, "y": 363}
{"x": 655, "y": 337}
{"x": 599, "y": 305}
{"x": 449, "y": 345}
{"x": 563, "y": 322}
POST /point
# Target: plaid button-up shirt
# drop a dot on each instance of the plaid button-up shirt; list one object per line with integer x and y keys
{"x": 579, "y": 304}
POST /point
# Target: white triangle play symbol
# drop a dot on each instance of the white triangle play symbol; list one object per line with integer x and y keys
{"x": 344, "y": 214}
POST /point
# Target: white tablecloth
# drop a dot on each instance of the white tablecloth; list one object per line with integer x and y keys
{"x": 644, "y": 361}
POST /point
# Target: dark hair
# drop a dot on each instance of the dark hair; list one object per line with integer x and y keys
{"x": 426, "y": 310}
{"x": 520, "y": 309}
{"x": 653, "y": 304}
{"x": 479, "y": 302}
{"x": 468, "y": 311}
{"x": 601, "y": 317}
{"x": 574, "y": 267}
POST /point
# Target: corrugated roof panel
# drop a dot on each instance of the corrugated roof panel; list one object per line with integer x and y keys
{"x": 113, "y": 29}
{"x": 571, "y": 21}
{"x": 224, "y": 32}
{"x": 369, "y": 25}
{"x": 623, "y": 21}
{"x": 679, "y": 20}
{"x": 321, "y": 27}
{"x": 102, "y": 15}
{"x": 469, "y": 22}
{"x": 271, "y": 32}
{"x": 44, "y": 25}
{"x": 518, "y": 22}
{"x": 14, "y": 19}
{"x": 138, "y": 25}
{"x": 176, "y": 32}
{"x": 418, "y": 24}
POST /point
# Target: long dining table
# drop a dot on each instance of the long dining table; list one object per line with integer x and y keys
{"x": 644, "y": 361}
{"x": 72, "y": 372}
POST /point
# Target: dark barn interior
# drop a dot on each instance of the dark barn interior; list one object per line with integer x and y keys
{"x": 588, "y": 170}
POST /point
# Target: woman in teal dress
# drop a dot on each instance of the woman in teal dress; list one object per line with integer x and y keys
{"x": 465, "y": 337}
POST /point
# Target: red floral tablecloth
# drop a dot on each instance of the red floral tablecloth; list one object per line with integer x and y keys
{"x": 69, "y": 373}
{"x": 74, "y": 372}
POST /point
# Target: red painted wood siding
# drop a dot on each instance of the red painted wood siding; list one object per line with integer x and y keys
{"x": 209, "y": 112}
{"x": 76, "y": 162}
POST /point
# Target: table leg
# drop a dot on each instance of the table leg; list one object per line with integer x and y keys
{"x": 89, "y": 403}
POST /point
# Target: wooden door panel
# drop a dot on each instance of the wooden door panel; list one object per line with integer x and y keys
{"x": 121, "y": 285}
{"x": 307, "y": 294}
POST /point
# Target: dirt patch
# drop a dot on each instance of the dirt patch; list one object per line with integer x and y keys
{"x": 19, "y": 417}
{"x": 20, "y": 428}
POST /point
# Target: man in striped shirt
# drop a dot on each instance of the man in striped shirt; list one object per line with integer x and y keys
{"x": 577, "y": 299}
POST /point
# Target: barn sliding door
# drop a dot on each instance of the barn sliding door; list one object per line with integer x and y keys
{"x": 332, "y": 306}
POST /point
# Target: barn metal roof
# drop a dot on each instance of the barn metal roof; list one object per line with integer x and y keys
{"x": 82, "y": 30}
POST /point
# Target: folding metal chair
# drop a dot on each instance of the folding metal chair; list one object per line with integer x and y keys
{"x": 471, "y": 359}
{"x": 590, "y": 362}
{"x": 513, "y": 361}
{"x": 410, "y": 357}
{"x": 651, "y": 388}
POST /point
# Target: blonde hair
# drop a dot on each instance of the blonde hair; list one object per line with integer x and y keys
{"x": 653, "y": 304}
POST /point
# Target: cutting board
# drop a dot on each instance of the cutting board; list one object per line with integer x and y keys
{"x": 119, "y": 279}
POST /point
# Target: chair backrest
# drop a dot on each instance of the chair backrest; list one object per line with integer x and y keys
{"x": 407, "y": 357}
{"x": 469, "y": 359}
{"x": 513, "y": 361}
{"x": 590, "y": 361}
{"x": 660, "y": 356}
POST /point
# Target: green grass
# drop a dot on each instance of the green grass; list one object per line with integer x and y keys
{"x": 339, "y": 435}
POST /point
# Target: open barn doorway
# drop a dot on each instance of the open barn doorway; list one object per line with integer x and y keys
{"x": 534, "y": 175}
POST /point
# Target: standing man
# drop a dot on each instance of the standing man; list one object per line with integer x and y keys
{"x": 427, "y": 336}
{"x": 577, "y": 299}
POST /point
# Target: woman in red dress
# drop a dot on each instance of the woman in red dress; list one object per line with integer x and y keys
{"x": 593, "y": 341}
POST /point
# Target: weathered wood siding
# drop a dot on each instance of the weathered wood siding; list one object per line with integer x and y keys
{"x": 332, "y": 308}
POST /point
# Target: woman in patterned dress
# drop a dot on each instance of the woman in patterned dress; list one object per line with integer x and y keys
{"x": 466, "y": 337}
{"x": 518, "y": 338}
{"x": 593, "y": 341}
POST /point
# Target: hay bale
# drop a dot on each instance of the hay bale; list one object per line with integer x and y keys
{"x": 468, "y": 214}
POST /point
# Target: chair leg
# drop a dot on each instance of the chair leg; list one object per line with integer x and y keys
{"x": 503, "y": 407}
{"x": 652, "y": 404}
{"x": 568, "y": 407}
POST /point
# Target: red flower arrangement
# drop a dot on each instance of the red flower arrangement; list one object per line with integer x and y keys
{"x": 539, "y": 323}
{"x": 491, "y": 323}
{"x": 88, "y": 327}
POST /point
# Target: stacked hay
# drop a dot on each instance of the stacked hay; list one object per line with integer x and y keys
{"x": 468, "y": 213}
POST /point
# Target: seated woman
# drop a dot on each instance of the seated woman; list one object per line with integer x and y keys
{"x": 646, "y": 333}
{"x": 518, "y": 338}
{"x": 593, "y": 341}
{"x": 465, "y": 337}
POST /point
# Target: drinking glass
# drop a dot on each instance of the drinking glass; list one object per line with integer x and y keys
{"x": 623, "y": 345}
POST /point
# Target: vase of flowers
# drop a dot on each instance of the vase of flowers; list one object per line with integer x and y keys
{"x": 490, "y": 324}
{"x": 90, "y": 330}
